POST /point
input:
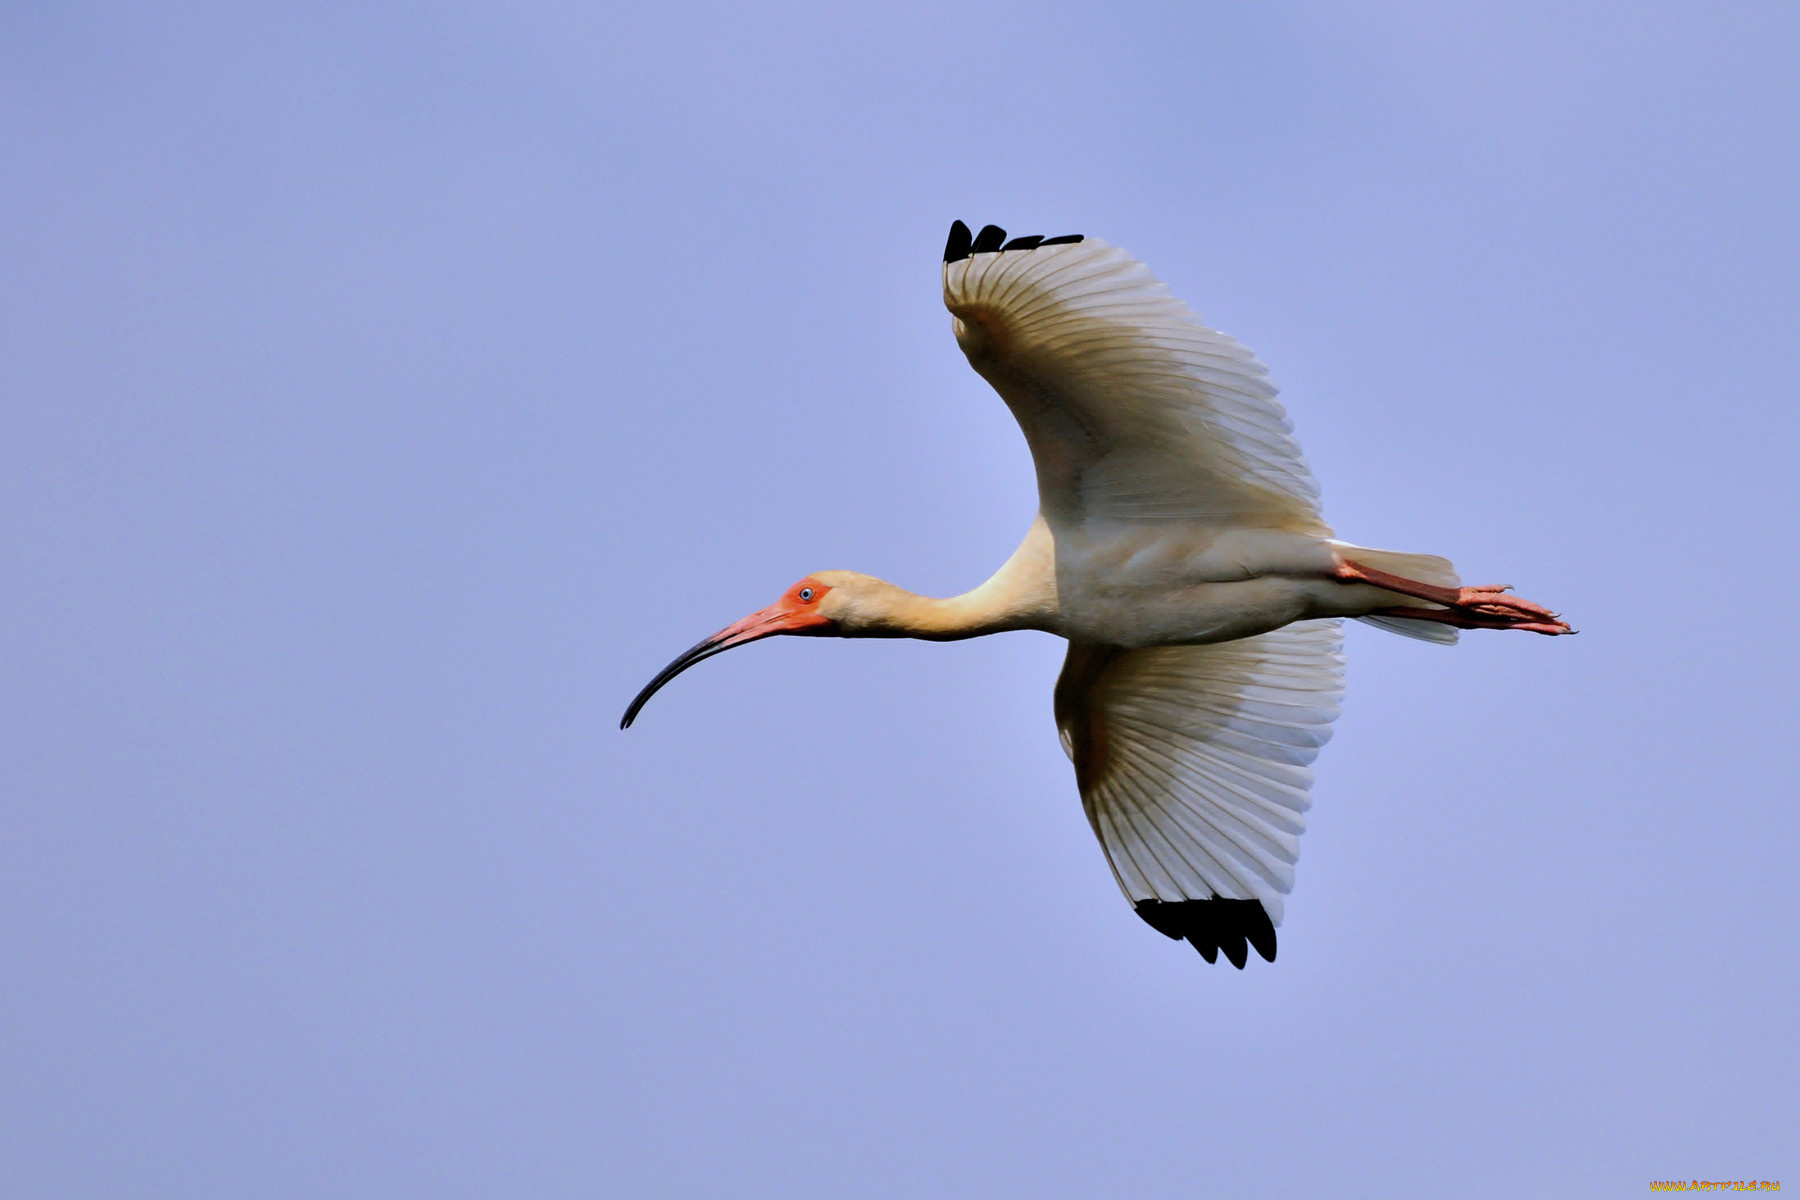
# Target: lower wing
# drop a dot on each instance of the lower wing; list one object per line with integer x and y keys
{"x": 1194, "y": 768}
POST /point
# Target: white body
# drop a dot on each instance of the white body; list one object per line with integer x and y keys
{"x": 1179, "y": 548}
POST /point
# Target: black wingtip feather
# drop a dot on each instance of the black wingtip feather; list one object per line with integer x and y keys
{"x": 1167, "y": 919}
{"x": 1213, "y": 925}
{"x": 1259, "y": 931}
{"x": 961, "y": 239}
{"x": 988, "y": 239}
{"x": 962, "y": 243}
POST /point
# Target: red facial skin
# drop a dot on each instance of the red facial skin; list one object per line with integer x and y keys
{"x": 796, "y": 612}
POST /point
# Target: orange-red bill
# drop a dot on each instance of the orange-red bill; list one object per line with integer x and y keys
{"x": 779, "y": 617}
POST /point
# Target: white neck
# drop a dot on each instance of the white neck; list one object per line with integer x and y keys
{"x": 1020, "y": 595}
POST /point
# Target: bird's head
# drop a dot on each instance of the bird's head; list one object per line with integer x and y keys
{"x": 824, "y": 604}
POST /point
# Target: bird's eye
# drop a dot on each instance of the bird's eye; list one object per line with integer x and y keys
{"x": 806, "y": 593}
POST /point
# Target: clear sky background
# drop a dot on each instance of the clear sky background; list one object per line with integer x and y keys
{"x": 387, "y": 392}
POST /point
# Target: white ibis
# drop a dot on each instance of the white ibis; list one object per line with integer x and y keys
{"x": 1178, "y": 547}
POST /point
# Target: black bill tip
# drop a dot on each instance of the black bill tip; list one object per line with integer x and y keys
{"x": 703, "y": 649}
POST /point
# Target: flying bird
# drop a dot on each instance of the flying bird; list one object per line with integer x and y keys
{"x": 1178, "y": 546}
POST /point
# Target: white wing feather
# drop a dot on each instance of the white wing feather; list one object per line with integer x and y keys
{"x": 1194, "y": 761}
{"x": 1134, "y": 410}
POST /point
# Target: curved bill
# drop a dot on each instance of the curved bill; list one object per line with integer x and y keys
{"x": 758, "y": 625}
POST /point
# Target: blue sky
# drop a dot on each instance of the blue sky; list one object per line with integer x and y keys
{"x": 386, "y": 393}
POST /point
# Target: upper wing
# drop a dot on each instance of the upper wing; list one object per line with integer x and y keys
{"x": 1193, "y": 768}
{"x": 1134, "y": 410}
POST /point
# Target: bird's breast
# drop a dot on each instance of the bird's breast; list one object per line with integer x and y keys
{"x": 1174, "y": 585}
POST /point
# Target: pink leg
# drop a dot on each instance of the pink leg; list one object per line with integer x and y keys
{"x": 1484, "y": 607}
{"x": 1469, "y": 620}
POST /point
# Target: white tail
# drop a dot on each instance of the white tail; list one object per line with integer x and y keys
{"x": 1426, "y": 568}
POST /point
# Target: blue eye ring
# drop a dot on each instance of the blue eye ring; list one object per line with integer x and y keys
{"x": 806, "y": 593}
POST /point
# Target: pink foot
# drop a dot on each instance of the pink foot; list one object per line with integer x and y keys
{"x": 1481, "y": 607}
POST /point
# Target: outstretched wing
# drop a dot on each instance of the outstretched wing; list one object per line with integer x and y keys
{"x": 1193, "y": 765}
{"x": 1134, "y": 409}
